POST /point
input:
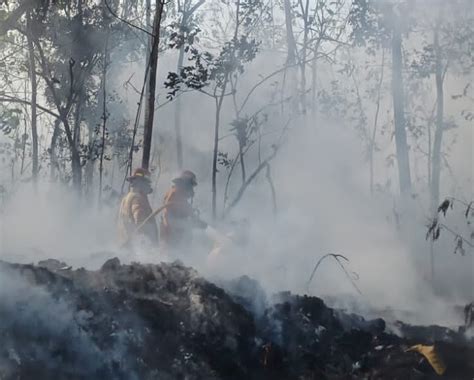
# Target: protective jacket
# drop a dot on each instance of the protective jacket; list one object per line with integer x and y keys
{"x": 178, "y": 218}
{"x": 134, "y": 209}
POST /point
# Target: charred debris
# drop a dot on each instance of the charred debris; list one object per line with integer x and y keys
{"x": 164, "y": 321}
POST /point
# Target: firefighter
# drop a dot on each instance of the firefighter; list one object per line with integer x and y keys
{"x": 135, "y": 208}
{"x": 179, "y": 218}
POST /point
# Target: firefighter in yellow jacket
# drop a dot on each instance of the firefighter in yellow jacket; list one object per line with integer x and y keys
{"x": 135, "y": 208}
{"x": 179, "y": 218}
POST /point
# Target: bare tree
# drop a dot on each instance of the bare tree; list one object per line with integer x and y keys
{"x": 187, "y": 9}
{"x": 150, "y": 98}
{"x": 399, "y": 108}
{"x": 34, "y": 88}
{"x": 104, "y": 116}
{"x": 438, "y": 136}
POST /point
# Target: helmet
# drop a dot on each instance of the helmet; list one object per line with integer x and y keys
{"x": 187, "y": 177}
{"x": 140, "y": 173}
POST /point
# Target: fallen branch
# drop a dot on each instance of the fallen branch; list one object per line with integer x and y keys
{"x": 337, "y": 258}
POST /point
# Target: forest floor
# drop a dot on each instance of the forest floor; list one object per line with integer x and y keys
{"x": 164, "y": 322}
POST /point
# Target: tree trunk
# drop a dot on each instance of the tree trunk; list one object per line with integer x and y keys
{"x": 75, "y": 162}
{"x": 186, "y": 14}
{"x": 399, "y": 112}
{"x": 290, "y": 37}
{"x": 76, "y": 166}
{"x": 148, "y": 40}
{"x": 104, "y": 117}
{"x": 148, "y": 15}
{"x": 374, "y": 129}
{"x": 291, "y": 56}
{"x": 240, "y": 134}
{"x": 438, "y": 135}
{"x": 78, "y": 118}
{"x": 304, "y": 48}
{"x": 24, "y": 137}
{"x": 177, "y": 105}
{"x": 242, "y": 162}
{"x": 215, "y": 152}
{"x": 177, "y": 114}
{"x": 34, "y": 88}
{"x": 63, "y": 116}
{"x": 219, "y": 102}
{"x": 76, "y": 138}
{"x": 314, "y": 76}
{"x": 53, "y": 158}
{"x": 150, "y": 100}
{"x": 89, "y": 167}
{"x": 75, "y": 156}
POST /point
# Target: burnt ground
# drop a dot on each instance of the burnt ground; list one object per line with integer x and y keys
{"x": 166, "y": 322}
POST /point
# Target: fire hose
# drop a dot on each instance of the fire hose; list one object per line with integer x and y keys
{"x": 215, "y": 235}
{"x": 142, "y": 224}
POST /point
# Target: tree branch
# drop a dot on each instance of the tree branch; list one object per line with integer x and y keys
{"x": 196, "y": 6}
{"x": 262, "y": 165}
{"x": 22, "y": 101}
{"x": 269, "y": 76}
{"x": 125, "y": 21}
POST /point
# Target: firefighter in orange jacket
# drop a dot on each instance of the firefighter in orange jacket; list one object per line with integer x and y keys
{"x": 179, "y": 217}
{"x": 135, "y": 208}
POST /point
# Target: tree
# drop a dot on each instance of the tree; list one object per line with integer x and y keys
{"x": 11, "y": 21}
{"x": 69, "y": 74}
{"x": 399, "y": 107}
{"x": 314, "y": 32}
{"x": 150, "y": 98}
{"x": 186, "y": 32}
{"x": 375, "y": 24}
{"x": 216, "y": 72}
{"x": 67, "y": 77}
{"x": 34, "y": 88}
{"x": 448, "y": 53}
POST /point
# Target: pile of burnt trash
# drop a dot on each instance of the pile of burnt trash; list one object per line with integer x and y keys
{"x": 164, "y": 321}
